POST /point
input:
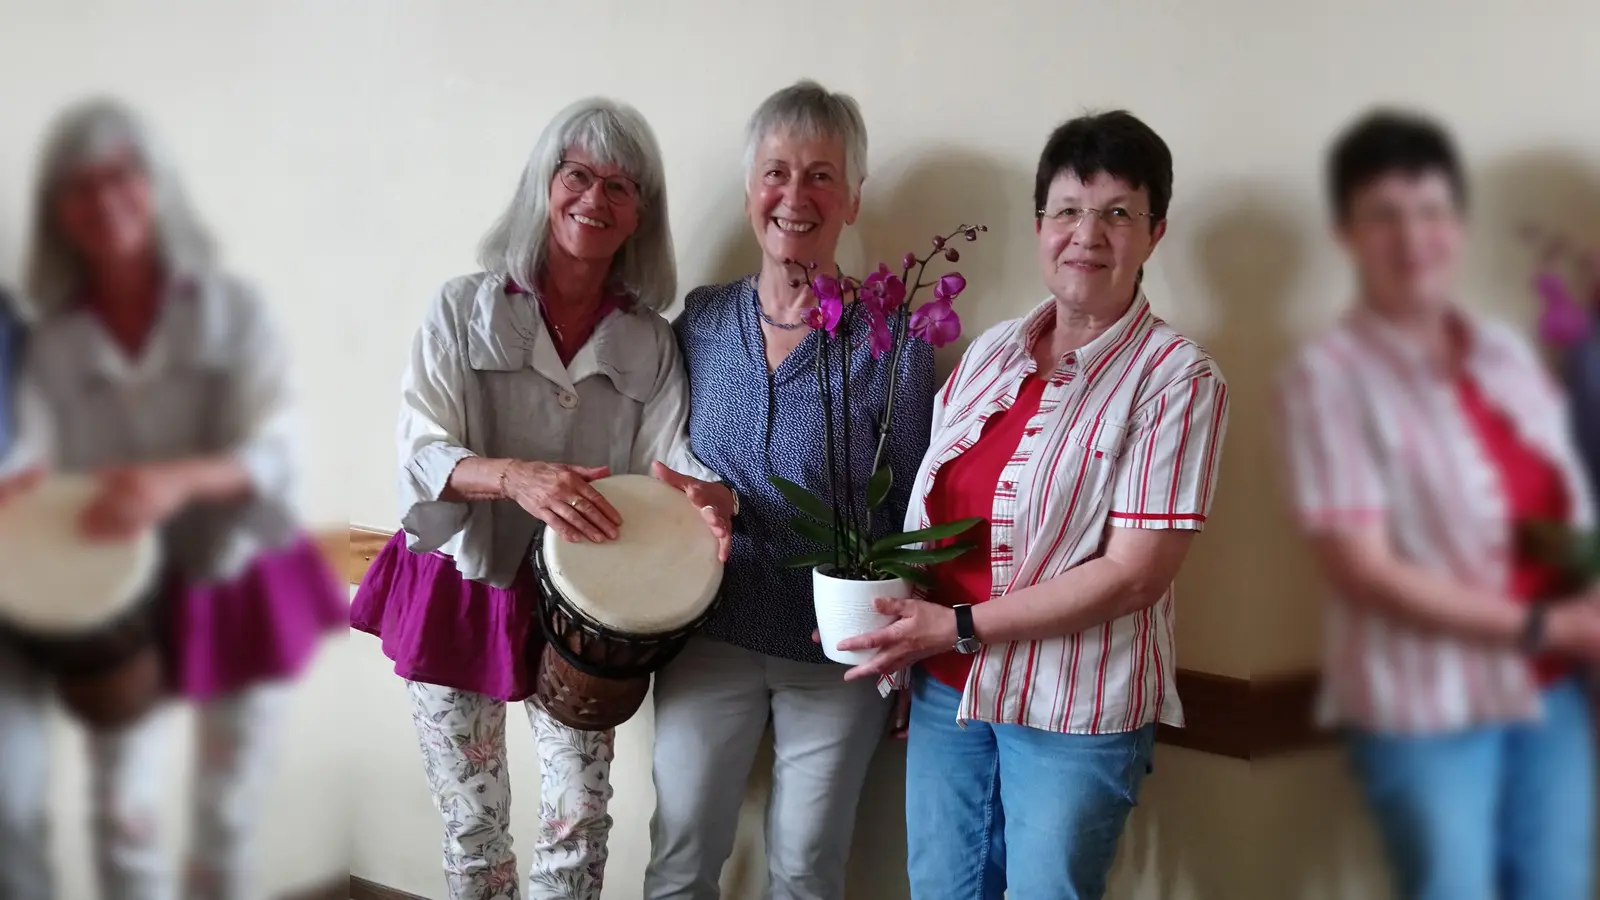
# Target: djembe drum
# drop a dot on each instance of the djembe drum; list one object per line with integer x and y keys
{"x": 612, "y": 614}
{"x": 87, "y": 613}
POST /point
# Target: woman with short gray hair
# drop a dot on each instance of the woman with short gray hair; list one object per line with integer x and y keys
{"x": 550, "y": 368}
{"x": 756, "y": 412}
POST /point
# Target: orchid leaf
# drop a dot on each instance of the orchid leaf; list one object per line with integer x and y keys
{"x": 923, "y": 557}
{"x": 913, "y": 574}
{"x": 803, "y": 500}
{"x": 925, "y": 535}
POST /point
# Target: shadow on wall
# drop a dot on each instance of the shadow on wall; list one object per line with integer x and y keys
{"x": 1248, "y": 584}
{"x": 1555, "y": 188}
{"x": 912, "y": 198}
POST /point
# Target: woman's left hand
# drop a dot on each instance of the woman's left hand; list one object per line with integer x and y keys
{"x": 135, "y": 498}
{"x": 714, "y": 501}
{"x": 921, "y": 630}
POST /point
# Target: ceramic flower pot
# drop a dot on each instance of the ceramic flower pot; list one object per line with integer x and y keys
{"x": 845, "y": 609}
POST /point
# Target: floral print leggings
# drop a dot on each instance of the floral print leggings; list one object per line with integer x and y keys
{"x": 463, "y": 738}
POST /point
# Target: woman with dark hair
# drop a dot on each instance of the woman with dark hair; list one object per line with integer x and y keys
{"x": 1421, "y": 437}
{"x": 1087, "y": 433}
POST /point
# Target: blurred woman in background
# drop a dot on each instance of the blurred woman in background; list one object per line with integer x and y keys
{"x": 1422, "y": 438}
{"x": 160, "y": 372}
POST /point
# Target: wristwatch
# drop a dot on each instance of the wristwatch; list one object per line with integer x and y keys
{"x": 966, "y": 638}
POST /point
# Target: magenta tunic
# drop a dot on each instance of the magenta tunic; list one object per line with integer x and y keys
{"x": 440, "y": 628}
{"x": 263, "y": 625}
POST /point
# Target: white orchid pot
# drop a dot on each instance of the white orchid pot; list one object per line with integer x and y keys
{"x": 845, "y": 609}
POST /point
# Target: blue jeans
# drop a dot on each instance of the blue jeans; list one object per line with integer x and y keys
{"x": 992, "y": 807}
{"x": 1503, "y": 811}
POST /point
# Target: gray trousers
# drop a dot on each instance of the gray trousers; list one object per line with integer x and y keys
{"x": 712, "y": 706}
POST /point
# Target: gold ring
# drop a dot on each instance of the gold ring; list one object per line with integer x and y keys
{"x": 574, "y": 502}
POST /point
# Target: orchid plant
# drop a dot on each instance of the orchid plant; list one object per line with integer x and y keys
{"x": 841, "y": 523}
{"x": 1567, "y": 283}
{"x": 1567, "y": 318}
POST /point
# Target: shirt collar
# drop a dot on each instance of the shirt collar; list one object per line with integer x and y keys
{"x": 1085, "y": 358}
{"x": 1404, "y": 350}
{"x": 506, "y": 334}
{"x": 188, "y": 331}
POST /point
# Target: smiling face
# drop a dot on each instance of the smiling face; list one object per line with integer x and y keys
{"x": 1092, "y": 263}
{"x": 106, "y": 212}
{"x": 798, "y": 199}
{"x": 590, "y": 213}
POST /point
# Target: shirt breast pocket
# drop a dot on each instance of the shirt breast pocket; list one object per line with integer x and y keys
{"x": 1088, "y": 465}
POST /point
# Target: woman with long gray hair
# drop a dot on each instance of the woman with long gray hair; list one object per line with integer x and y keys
{"x": 155, "y": 369}
{"x": 550, "y": 368}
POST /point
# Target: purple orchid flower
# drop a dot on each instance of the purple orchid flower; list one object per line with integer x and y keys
{"x": 949, "y": 287}
{"x": 936, "y": 322}
{"x": 880, "y": 339}
{"x": 830, "y": 304}
{"x": 884, "y": 288}
{"x": 1563, "y": 321}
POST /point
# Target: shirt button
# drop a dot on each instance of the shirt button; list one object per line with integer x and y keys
{"x": 567, "y": 399}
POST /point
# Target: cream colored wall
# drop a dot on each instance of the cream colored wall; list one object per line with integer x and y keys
{"x": 351, "y": 154}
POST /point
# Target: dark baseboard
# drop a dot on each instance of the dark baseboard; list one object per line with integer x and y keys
{"x": 333, "y": 889}
{"x": 1246, "y": 718}
{"x": 362, "y": 889}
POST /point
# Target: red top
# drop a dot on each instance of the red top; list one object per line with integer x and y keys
{"x": 1533, "y": 489}
{"x": 963, "y": 488}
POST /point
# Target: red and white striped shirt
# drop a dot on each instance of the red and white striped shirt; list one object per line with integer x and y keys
{"x": 1128, "y": 433}
{"x": 1375, "y": 432}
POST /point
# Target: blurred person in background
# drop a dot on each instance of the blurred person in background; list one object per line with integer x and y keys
{"x": 1422, "y": 438}
{"x": 159, "y": 372}
{"x": 548, "y": 369}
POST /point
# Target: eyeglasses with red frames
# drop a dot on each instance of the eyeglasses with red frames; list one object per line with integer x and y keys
{"x": 619, "y": 190}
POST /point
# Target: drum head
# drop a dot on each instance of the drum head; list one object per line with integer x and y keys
{"x": 660, "y": 574}
{"x": 54, "y": 581}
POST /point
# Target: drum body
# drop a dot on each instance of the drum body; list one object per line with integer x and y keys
{"x": 612, "y": 614}
{"x": 91, "y": 616}
{"x": 108, "y": 676}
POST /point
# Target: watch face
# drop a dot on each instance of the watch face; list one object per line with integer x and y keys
{"x": 967, "y": 645}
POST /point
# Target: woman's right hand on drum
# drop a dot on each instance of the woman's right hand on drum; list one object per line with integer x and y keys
{"x": 560, "y": 496}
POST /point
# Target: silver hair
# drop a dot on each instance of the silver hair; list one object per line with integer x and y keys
{"x": 807, "y": 109}
{"x": 89, "y": 132}
{"x": 614, "y": 134}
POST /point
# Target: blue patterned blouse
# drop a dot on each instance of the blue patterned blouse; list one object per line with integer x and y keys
{"x": 1583, "y": 383}
{"x": 10, "y": 363}
{"x": 746, "y": 423}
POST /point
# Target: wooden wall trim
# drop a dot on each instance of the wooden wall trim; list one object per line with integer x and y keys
{"x": 362, "y": 889}
{"x": 1241, "y": 718}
